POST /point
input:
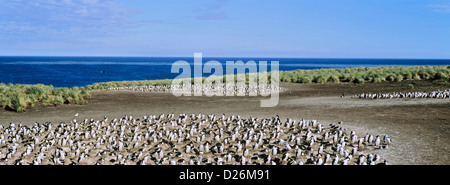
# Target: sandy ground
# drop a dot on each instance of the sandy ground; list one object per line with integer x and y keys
{"x": 419, "y": 128}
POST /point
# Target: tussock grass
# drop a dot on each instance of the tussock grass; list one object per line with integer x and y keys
{"x": 359, "y": 75}
{"x": 106, "y": 85}
{"x": 367, "y": 74}
{"x": 19, "y": 97}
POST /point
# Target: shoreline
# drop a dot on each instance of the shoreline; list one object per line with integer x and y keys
{"x": 419, "y": 127}
{"x": 19, "y": 97}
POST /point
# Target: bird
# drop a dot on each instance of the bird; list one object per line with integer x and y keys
{"x": 377, "y": 141}
{"x": 168, "y": 139}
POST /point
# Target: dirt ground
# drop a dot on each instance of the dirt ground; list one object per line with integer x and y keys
{"x": 419, "y": 128}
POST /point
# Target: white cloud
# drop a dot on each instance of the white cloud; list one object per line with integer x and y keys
{"x": 212, "y": 16}
{"x": 63, "y": 18}
{"x": 218, "y": 4}
{"x": 82, "y": 12}
{"x": 441, "y": 8}
{"x": 89, "y": 1}
{"x": 68, "y": 2}
{"x": 212, "y": 12}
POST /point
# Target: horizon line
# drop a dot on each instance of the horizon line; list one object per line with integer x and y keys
{"x": 99, "y": 56}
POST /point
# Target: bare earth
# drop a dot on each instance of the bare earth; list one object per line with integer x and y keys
{"x": 419, "y": 128}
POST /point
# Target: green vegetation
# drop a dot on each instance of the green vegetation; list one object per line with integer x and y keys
{"x": 19, "y": 97}
{"x": 359, "y": 75}
{"x": 106, "y": 85}
{"x": 367, "y": 74}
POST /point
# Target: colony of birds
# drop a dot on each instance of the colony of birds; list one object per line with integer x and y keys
{"x": 433, "y": 94}
{"x": 188, "y": 139}
{"x": 222, "y": 89}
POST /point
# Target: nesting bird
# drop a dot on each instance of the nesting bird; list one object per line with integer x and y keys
{"x": 432, "y": 94}
{"x": 196, "y": 139}
{"x": 209, "y": 89}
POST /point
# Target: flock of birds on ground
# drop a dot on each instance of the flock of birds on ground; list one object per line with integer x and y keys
{"x": 222, "y": 89}
{"x": 233, "y": 89}
{"x": 188, "y": 140}
{"x": 433, "y": 94}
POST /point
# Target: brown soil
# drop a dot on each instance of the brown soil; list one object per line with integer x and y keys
{"x": 419, "y": 128}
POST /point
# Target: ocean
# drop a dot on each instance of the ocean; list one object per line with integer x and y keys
{"x": 82, "y": 71}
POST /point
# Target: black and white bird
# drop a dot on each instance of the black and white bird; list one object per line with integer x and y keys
{"x": 197, "y": 139}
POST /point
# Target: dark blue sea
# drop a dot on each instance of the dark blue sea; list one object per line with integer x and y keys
{"x": 82, "y": 71}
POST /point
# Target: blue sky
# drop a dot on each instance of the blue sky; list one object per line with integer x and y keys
{"x": 233, "y": 28}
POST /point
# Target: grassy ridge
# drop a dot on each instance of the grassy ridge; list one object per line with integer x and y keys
{"x": 106, "y": 85}
{"x": 367, "y": 74}
{"x": 18, "y": 97}
{"x": 355, "y": 75}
